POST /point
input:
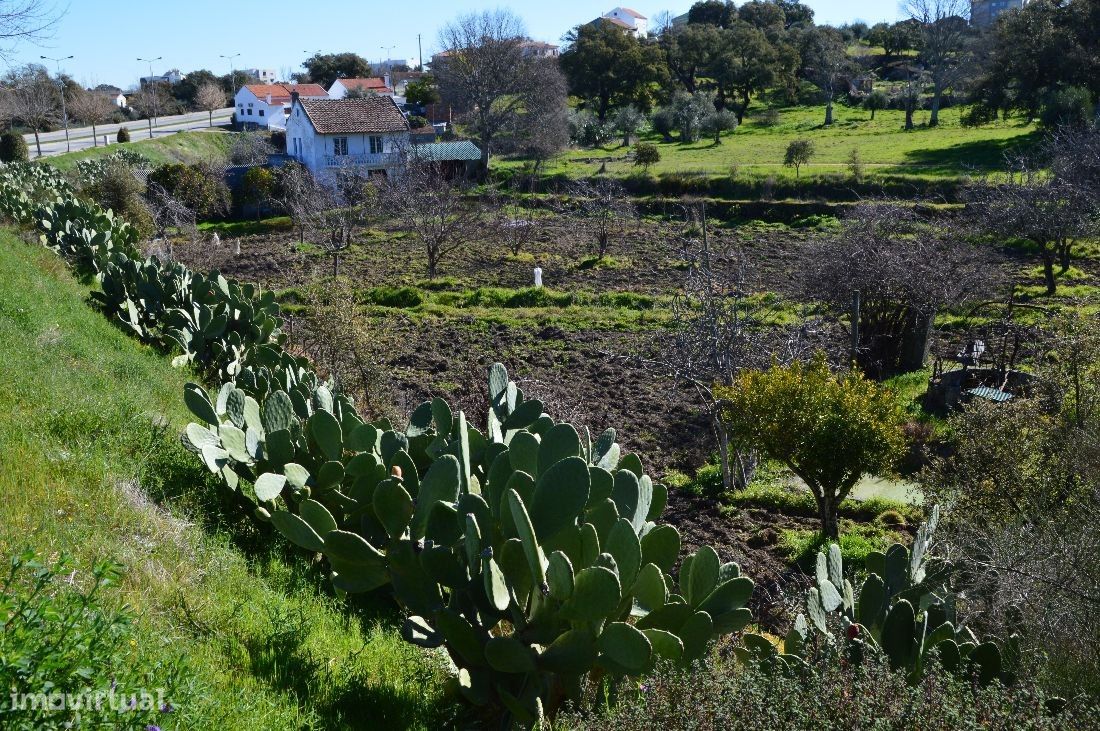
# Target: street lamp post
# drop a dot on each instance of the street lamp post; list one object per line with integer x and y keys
{"x": 153, "y": 85}
{"x": 232, "y": 80}
{"x": 386, "y": 58}
{"x": 61, "y": 86}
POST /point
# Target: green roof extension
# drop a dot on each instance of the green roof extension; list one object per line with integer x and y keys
{"x": 448, "y": 151}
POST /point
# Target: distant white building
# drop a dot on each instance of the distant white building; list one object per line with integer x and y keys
{"x": 265, "y": 76}
{"x": 328, "y": 134}
{"x": 629, "y": 19}
{"x": 540, "y": 49}
{"x": 172, "y": 76}
{"x": 267, "y": 105}
{"x": 392, "y": 63}
{"x": 120, "y": 100}
{"x": 372, "y": 85}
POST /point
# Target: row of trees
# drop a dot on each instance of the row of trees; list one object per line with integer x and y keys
{"x": 736, "y": 53}
{"x": 32, "y": 99}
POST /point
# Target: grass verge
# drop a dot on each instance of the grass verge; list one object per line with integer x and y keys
{"x": 91, "y": 467}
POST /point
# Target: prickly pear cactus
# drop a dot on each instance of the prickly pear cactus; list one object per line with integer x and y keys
{"x": 904, "y": 610}
{"x": 531, "y": 552}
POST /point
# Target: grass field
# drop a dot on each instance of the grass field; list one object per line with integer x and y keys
{"x": 186, "y": 147}
{"x": 885, "y": 148}
{"x": 90, "y": 464}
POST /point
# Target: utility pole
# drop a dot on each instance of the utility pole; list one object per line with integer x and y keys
{"x": 233, "y": 84}
{"x": 153, "y": 86}
{"x": 61, "y": 85}
{"x": 420, "y": 51}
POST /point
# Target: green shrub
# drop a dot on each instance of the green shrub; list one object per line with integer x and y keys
{"x": 201, "y": 188}
{"x": 1072, "y": 106}
{"x": 827, "y": 697}
{"x": 59, "y": 633}
{"x": 857, "y": 540}
{"x": 403, "y": 297}
{"x": 13, "y": 148}
{"x": 646, "y": 154}
{"x": 123, "y": 135}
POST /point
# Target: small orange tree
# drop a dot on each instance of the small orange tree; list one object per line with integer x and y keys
{"x": 830, "y": 430}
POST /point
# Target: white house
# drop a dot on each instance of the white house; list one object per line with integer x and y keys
{"x": 327, "y": 134}
{"x": 539, "y": 49}
{"x": 265, "y": 76}
{"x": 120, "y": 100}
{"x": 375, "y": 85}
{"x": 267, "y": 105}
{"x": 172, "y": 76}
{"x": 630, "y": 20}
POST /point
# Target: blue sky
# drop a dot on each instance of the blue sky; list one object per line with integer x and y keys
{"x": 106, "y": 38}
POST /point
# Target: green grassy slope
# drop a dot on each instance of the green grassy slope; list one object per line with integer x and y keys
{"x": 84, "y": 468}
{"x": 885, "y": 148}
{"x": 185, "y": 147}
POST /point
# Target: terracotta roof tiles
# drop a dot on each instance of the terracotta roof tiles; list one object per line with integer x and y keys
{"x": 369, "y": 115}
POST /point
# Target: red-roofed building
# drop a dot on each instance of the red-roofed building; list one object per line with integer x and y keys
{"x": 375, "y": 85}
{"x": 267, "y": 105}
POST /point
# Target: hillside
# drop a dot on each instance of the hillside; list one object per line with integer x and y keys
{"x": 92, "y": 467}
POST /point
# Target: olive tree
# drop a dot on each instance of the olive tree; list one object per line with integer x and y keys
{"x": 799, "y": 153}
{"x": 1048, "y": 211}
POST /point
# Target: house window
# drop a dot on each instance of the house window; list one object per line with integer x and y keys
{"x": 376, "y": 145}
{"x": 339, "y": 145}
{"x": 261, "y": 112}
{"x": 250, "y": 112}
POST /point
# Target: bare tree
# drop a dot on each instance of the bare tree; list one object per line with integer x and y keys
{"x": 35, "y": 102}
{"x": 488, "y": 79}
{"x": 346, "y": 345}
{"x": 944, "y": 38}
{"x": 602, "y": 211}
{"x": 169, "y": 212}
{"x": 904, "y": 270}
{"x": 433, "y": 209}
{"x": 210, "y": 98}
{"x": 514, "y": 223}
{"x": 541, "y": 130}
{"x": 25, "y": 20}
{"x": 251, "y": 148}
{"x": 1048, "y": 211}
{"x": 333, "y": 210}
{"x": 717, "y": 331}
{"x": 92, "y": 108}
{"x": 144, "y": 103}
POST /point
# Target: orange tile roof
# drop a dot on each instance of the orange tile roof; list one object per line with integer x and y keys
{"x": 281, "y": 92}
{"x": 369, "y": 83}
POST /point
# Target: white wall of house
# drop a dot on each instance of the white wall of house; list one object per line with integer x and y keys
{"x": 253, "y": 111}
{"x": 640, "y": 25}
{"x": 323, "y": 153}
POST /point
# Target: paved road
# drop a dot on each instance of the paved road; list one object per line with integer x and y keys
{"x": 80, "y": 138}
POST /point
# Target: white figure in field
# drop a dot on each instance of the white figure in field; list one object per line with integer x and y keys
{"x": 538, "y": 276}
{"x": 236, "y": 247}
{"x": 216, "y": 240}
